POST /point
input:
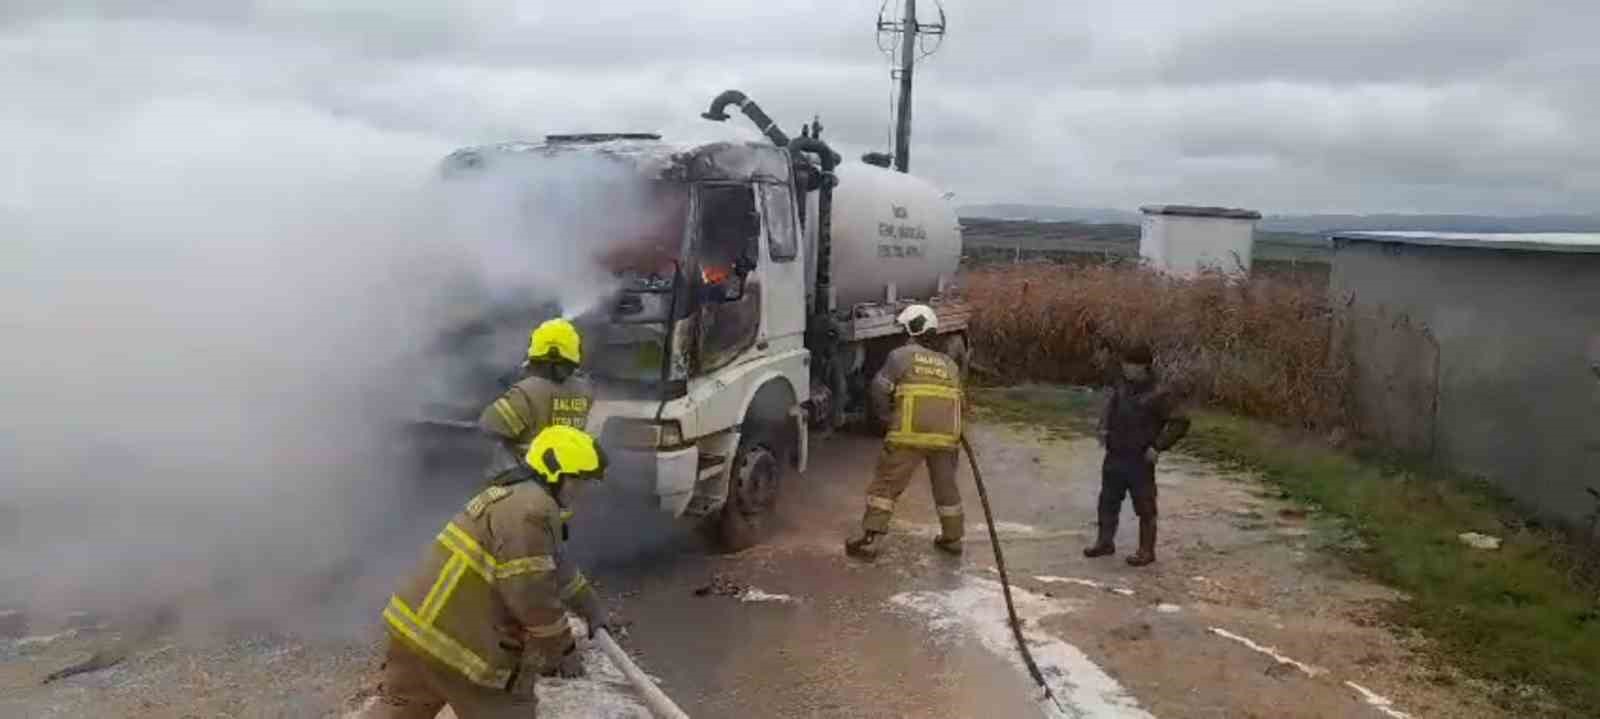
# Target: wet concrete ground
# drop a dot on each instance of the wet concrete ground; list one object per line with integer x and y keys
{"x": 1243, "y": 616}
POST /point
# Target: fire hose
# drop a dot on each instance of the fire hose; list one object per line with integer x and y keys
{"x": 662, "y": 706}
{"x": 1005, "y": 581}
{"x": 654, "y": 698}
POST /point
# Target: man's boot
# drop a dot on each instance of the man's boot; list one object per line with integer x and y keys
{"x": 1106, "y": 541}
{"x": 865, "y": 546}
{"x": 1147, "y": 543}
{"x": 948, "y": 546}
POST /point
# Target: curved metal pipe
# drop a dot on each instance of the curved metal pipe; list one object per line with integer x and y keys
{"x": 825, "y": 334}
{"x": 830, "y": 159}
{"x": 751, "y": 110}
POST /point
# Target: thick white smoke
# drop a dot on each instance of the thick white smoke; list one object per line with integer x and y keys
{"x": 211, "y": 313}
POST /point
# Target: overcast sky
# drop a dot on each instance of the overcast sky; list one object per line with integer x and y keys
{"x": 1353, "y": 105}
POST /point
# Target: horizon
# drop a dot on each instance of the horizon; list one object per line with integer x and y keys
{"x": 965, "y": 209}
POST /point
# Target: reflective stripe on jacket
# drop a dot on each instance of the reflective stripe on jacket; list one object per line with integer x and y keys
{"x": 534, "y": 403}
{"x": 529, "y": 406}
{"x": 920, "y": 391}
{"x": 488, "y": 589}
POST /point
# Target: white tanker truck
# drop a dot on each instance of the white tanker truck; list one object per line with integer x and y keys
{"x": 751, "y": 323}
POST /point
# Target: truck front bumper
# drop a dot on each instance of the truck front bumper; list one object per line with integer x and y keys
{"x": 667, "y": 475}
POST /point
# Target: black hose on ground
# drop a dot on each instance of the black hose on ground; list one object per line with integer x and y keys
{"x": 1005, "y": 581}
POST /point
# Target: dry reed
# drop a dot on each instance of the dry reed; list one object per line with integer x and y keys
{"x": 1258, "y": 347}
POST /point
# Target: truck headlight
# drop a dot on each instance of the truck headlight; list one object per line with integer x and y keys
{"x": 642, "y": 433}
{"x": 669, "y": 434}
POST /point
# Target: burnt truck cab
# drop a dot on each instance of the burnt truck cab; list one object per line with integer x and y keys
{"x": 732, "y": 325}
{"x": 701, "y": 344}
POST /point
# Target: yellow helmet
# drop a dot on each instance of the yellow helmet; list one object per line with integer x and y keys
{"x": 561, "y": 451}
{"x": 557, "y": 337}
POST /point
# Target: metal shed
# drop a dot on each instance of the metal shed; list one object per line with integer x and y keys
{"x": 1185, "y": 240}
{"x": 1481, "y": 351}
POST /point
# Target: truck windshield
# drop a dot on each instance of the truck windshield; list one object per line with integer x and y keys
{"x": 644, "y": 238}
{"x": 627, "y": 339}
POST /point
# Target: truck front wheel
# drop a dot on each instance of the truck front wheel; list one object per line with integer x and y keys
{"x": 747, "y": 516}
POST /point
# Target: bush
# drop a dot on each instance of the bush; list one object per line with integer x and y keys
{"x": 1260, "y": 347}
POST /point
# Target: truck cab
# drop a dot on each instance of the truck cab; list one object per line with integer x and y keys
{"x": 723, "y": 344}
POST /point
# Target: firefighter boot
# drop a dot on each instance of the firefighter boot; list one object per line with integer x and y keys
{"x": 864, "y": 547}
{"x": 951, "y": 526}
{"x": 1106, "y": 542}
{"x": 1147, "y": 543}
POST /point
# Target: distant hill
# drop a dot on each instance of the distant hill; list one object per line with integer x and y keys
{"x": 988, "y": 236}
{"x": 1050, "y": 213}
{"x": 1310, "y": 224}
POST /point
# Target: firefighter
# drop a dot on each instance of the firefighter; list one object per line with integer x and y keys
{"x": 549, "y": 394}
{"x": 919, "y": 390}
{"x": 485, "y": 616}
{"x": 1141, "y": 420}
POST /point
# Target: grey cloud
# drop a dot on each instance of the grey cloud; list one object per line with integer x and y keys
{"x": 1357, "y": 43}
{"x": 1364, "y": 104}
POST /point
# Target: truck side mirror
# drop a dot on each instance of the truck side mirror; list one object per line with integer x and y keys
{"x": 733, "y": 288}
{"x": 752, "y": 234}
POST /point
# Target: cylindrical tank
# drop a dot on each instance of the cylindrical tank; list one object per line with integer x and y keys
{"x": 888, "y": 228}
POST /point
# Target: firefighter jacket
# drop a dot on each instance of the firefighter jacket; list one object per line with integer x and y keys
{"x": 492, "y": 588}
{"x": 919, "y": 390}
{"x": 529, "y": 406}
{"x": 1141, "y": 416}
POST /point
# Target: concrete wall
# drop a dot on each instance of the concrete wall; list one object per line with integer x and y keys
{"x": 1396, "y": 382}
{"x": 1517, "y": 333}
{"x": 1184, "y": 245}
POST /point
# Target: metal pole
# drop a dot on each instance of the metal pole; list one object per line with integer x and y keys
{"x": 908, "y": 58}
{"x": 657, "y": 700}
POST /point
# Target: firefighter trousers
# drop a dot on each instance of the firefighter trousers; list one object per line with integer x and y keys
{"x": 415, "y": 687}
{"x": 895, "y": 467}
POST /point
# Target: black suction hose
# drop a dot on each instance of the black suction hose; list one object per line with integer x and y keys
{"x": 1005, "y": 582}
{"x": 718, "y": 113}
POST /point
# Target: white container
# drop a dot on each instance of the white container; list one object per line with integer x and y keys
{"x": 1184, "y": 240}
{"x": 890, "y": 229}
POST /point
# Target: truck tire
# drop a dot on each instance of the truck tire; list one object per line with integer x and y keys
{"x": 748, "y": 516}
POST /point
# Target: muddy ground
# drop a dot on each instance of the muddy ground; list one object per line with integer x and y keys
{"x": 1249, "y": 613}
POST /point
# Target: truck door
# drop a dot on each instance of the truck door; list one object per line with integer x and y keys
{"x": 782, "y": 271}
{"x": 729, "y": 274}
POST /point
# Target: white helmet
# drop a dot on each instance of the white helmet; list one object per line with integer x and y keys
{"x": 918, "y": 320}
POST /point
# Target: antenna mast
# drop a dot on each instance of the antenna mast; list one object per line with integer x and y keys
{"x": 905, "y": 58}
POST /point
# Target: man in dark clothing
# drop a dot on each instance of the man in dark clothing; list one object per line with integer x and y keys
{"x": 1140, "y": 421}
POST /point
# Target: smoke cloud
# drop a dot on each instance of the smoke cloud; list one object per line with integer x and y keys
{"x": 219, "y": 309}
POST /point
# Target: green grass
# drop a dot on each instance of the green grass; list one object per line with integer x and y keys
{"x": 1068, "y": 411}
{"x": 1518, "y": 617}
